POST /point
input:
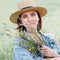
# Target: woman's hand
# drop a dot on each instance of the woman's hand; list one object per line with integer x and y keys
{"x": 48, "y": 52}
{"x": 52, "y": 59}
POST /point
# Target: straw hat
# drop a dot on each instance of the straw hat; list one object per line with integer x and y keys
{"x": 25, "y": 7}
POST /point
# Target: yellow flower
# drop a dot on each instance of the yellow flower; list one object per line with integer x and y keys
{"x": 30, "y": 49}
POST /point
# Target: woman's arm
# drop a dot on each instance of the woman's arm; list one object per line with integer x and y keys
{"x": 21, "y": 54}
{"x": 48, "y": 52}
{"x": 52, "y": 48}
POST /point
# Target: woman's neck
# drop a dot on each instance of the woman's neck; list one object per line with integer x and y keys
{"x": 32, "y": 29}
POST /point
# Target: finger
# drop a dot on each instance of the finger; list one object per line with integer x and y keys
{"x": 43, "y": 50}
{"x": 43, "y": 47}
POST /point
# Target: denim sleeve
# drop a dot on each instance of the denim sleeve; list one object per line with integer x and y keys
{"x": 54, "y": 45}
{"x": 21, "y": 53}
{"x": 50, "y": 41}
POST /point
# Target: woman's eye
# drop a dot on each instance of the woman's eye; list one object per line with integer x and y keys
{"x": 33, "y": 14}
{"x": 24, "y": 16}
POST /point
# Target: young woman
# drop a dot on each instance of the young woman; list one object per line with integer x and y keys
{"x": 28, "y": 19}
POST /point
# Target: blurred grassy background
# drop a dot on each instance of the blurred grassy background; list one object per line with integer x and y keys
{"x": 51, "y": 24}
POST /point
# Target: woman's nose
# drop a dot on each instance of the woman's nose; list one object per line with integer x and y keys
{"x": 29, "y": 19}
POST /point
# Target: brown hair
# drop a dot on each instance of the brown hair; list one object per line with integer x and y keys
{"x": 19, "y": 22}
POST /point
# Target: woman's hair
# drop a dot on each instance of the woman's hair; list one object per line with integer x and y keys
{"x": 20, "y": 25}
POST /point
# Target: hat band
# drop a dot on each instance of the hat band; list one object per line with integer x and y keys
{"x": 27, "y": 7}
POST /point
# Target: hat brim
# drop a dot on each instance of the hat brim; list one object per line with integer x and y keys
{"x": 42, "y": 11}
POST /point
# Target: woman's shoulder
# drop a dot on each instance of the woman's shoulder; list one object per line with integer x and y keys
{"x": 48, "y": 35}
{"x": 17, "y": 39}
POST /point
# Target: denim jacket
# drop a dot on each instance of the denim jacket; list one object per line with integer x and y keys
{"x": 21, "y": 53}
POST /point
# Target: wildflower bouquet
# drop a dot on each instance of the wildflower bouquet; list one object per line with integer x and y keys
{"x": 29, "y": 43}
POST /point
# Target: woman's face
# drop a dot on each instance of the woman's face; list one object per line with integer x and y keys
{"x": 30, "y": 19}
